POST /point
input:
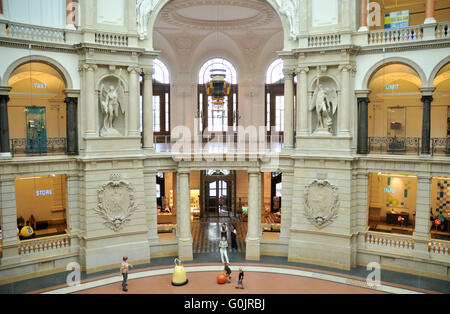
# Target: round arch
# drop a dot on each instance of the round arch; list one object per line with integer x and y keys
{"x": 436, "y": 70}
{"x": 329, "y": 76}
{"x": 37, "y": 58}
{"x": 377, "y": 66}
{"x": 161, "y": 4}
{"x": 100, "y": 79}
{"x": 227, "y": 64}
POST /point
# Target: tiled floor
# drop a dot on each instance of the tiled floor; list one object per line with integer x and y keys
{"x": 270, "y": 275}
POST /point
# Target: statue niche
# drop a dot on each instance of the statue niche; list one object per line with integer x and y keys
{"x": 325, "y": 103}
{"x": 113, "y": 106}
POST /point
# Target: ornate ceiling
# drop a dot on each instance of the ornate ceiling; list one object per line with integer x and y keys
{"x": 218, "y": 15}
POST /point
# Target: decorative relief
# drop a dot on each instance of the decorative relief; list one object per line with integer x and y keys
{"x": 111, "y": 98}
{"x": 321, "y": 202}
{"x": 143, "y": 10}
{"x": 116, "y": 202}
{"x": 289, "y": 8}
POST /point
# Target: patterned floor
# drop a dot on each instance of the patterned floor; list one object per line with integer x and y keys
{"x": 206, "y": 234}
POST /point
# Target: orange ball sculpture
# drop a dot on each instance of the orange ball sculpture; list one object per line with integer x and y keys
{"x": 221, "y": 279}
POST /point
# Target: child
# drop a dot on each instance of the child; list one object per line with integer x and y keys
{"x": 124, "y": 272}
{"x": 227, "y": 272}
{"x": 240, "y": 279}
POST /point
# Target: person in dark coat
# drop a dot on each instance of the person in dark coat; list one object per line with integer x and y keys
{"x": 233, "y": 238}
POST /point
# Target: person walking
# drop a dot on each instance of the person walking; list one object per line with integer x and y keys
{"x": 233, "y": 238}
{"x": 223, "y": 231}
{"x": 124, "y": 272}
{"x": 223, "y": 245}
{"x": 240, "y": 279}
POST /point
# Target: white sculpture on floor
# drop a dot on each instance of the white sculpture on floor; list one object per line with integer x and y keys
{"x": 324, "y": 101}
{"x": 289, "y": 8}
{"x": 111, "y": 100}
{"x": 143, "y": 10}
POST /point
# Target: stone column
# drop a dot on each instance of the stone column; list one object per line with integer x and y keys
{"x": 302, "y": 101}
{"x": 10, "y": 241}
{"x": 423, "y": 205}
{"x": 363, "y": 17}
{"x": 4, "y": 125}
{"x": 254, "y": 222}
{"x": 363, "y": 125}
{"x": 150, "y": 206}
{"x": 288, "y": 108}
{"x": 429, "y": 12}
{"x": 91, "y": 108}
{"x": 72, "y": 125}
{"x": 344, "y": 102}
{"x": 426, "y": 119}
{"x": 133, "y": 102}
{"x": 184, "y": 217}
{"x": 148, "y": 108}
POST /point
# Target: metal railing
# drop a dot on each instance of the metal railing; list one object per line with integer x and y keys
{"x": 48, "y": 146}
{"x": 394, "y": 145}
{"x": 440, "y": 146}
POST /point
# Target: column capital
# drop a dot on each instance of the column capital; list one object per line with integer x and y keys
{"x": 288, "y": 73}
{"x": 427, "y": 91}
{"x": 362, "y": 93}
{"x": 183, "y": 171}
{"x": 301, "y": 70}
{"x": 71, "y": 93}
{"x": 4, "y": 90}
{"x": 89, "y": 67}
{"x": 253, "y": 171}
{"x": 71, "y": 100}
{"x": 427, "y": 98}
{"x": 148, "y": 72}
{"x": 346, "y": 67}
{"x": 136, "y": 69}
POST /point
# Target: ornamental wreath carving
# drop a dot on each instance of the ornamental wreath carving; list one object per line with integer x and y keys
{"x": 115, "y": 202}
{"x": 321, "y": 203}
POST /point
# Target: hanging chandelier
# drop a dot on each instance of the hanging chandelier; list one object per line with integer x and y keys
{"x": 218, "y": 88}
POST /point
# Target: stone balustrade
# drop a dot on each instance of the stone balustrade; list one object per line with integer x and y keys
{"x": 35, "y": 33}
{"x": 442, "y": 30}
{"x": 111, "y": 39}
{"x": 391, "y": 243}
{"x": 52, "y": 245}
{"x": 439, "y": 249}
{"x": 324, "y": 40}
{"x": 396, "y": 35}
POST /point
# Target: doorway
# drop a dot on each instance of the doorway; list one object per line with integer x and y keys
{"x": 219, "y": 194}
{"x": 36, "y": 130}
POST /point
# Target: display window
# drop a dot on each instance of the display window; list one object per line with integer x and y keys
{"x": 392, "y": 203}
{"x": 36, "y": 110}
{"x": 165, "y": 200}
{"x": 41, "y": 203}
{"x": 395, "y": 110}
{"x": 440, "y": 208}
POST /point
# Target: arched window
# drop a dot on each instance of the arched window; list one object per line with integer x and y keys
{"x": 274, "y": 112}
{"x": 161, "y": 72}
{"x": 217, "y": 118}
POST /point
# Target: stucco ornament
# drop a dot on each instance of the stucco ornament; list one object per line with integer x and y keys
{"x": 321, "y": 203}
{"x": 143, "y": 10}
{"x": 289, "y": 8}
{"x": 115, "y": 202}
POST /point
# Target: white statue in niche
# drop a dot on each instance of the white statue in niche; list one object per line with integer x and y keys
{"x": 289, "y": 8}
{"x": 111, "y": 100}
{"x": 143, "y": 10}
{"x": 324, "y": 101}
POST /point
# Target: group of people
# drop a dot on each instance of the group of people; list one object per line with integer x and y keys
{"x": 223, "y": 244}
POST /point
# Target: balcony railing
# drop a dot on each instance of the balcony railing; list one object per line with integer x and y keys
{"x": 440, "y": 146}
{"x": 35, "y": 33}
{"x": 442, "y": 30}
{"x": 439, "y": 249}
{"x": 388, "y": 36}
{"x": 37, "y": 147}
{"x": 389, "y": 242}
{"x": 45, "y": 246}
{"x": 394, "y": 145}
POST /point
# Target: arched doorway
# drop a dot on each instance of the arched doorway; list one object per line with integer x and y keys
{"x": 440, "y": 113}
{"x": 218, "y": 194}
{"x": 36, "y": 110}
{"x": 395, "y": 110}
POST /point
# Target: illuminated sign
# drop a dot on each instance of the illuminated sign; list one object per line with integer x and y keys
{"x": 392, "y": 86}
{"x": 389, "y": 190}
{"x": 43, "y": 192}
{"x": 40, "y": 86}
